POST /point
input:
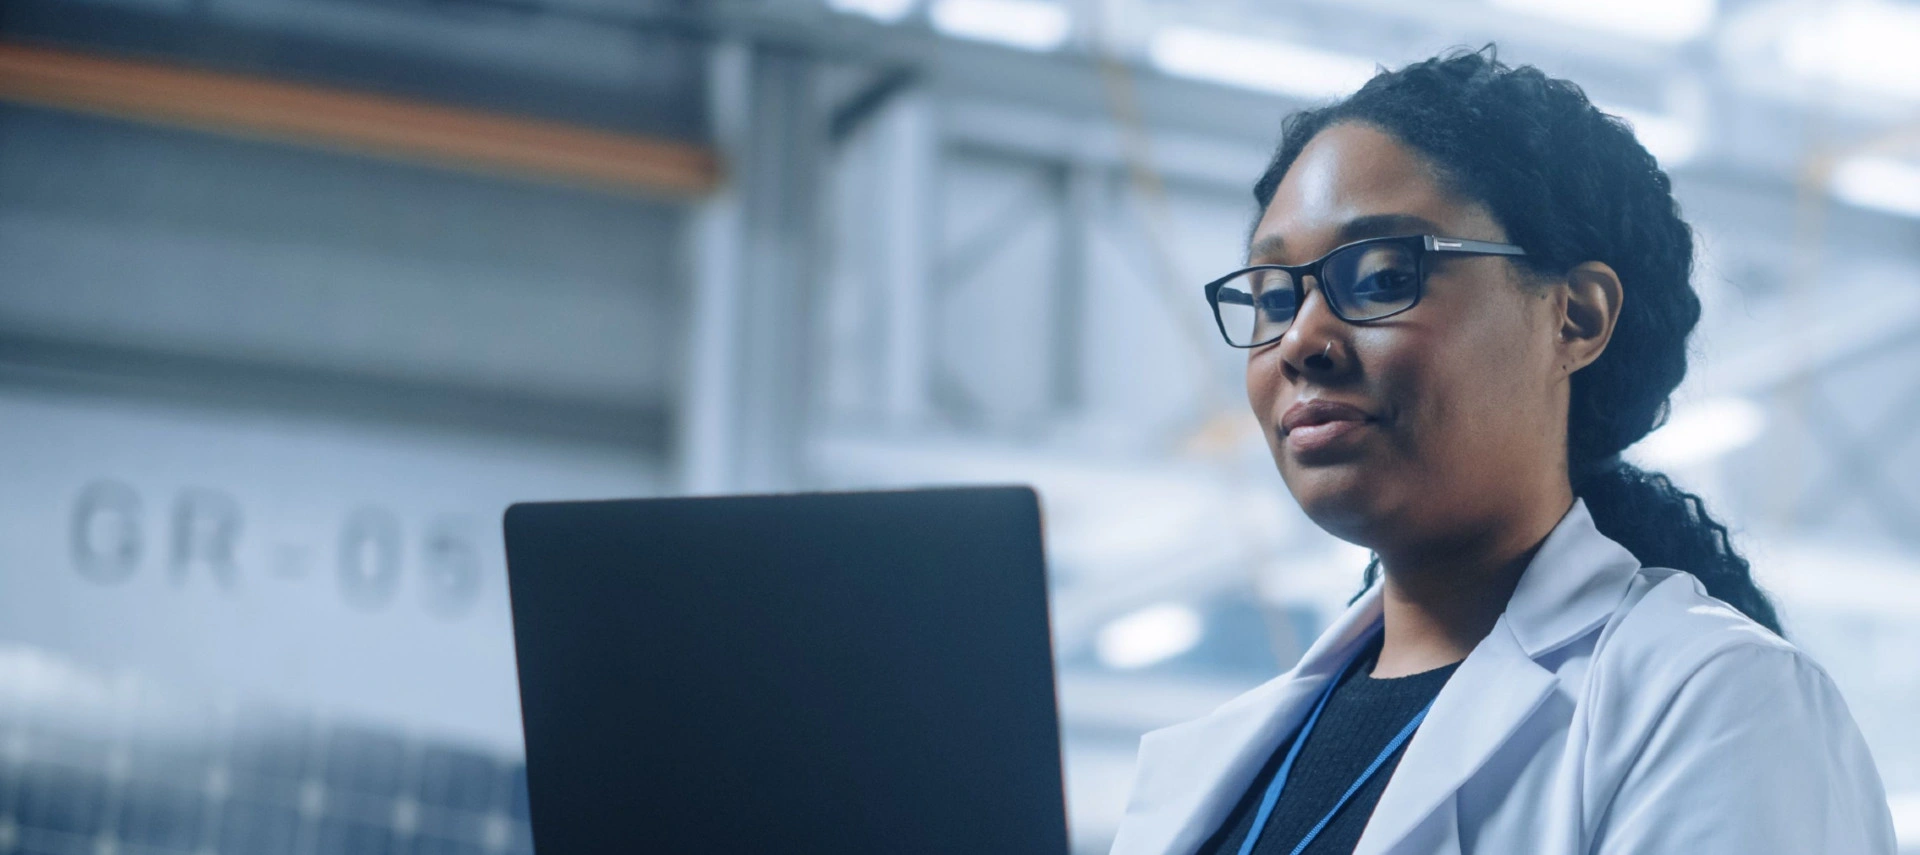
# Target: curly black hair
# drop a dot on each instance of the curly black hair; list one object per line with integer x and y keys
{"x": 1570, "y": 184}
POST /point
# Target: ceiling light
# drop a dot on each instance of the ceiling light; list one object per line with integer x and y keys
{"x": 1255, "y": 63}
{"x": 884, "y": 11}
{"x": 1882, "y": 183}
{"x": 1665, "y": 21}
{"x": 1701, "y": 432}
{"x": 1671, "y": 140}
{"x": 1027, "y": 24}
{"x": 1864, "y": 45}
{"x": 1150, "y": 635}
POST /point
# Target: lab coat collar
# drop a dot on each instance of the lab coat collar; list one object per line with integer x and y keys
{"x": 1571, "y": 586}
{"x": 1193, "y": 774}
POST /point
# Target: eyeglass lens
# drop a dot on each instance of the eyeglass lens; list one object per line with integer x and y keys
{"x": 1361, "y": 283}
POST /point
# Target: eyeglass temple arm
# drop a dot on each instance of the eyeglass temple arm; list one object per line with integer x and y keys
{"x": 1477, "y": 247}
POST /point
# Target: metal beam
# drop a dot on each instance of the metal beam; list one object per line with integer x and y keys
{"x": 1814, "y": 346}
{"x": 43, "y": 364}
{"x": 368, "y": 124}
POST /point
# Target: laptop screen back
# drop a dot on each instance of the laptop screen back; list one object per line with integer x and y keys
{"x": 848, "y": 673}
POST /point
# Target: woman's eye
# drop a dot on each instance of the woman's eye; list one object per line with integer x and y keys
{"x": 1277, "y": 304}
{"x": 1385, "y": 285}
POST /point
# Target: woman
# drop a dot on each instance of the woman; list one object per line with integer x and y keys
{"x": 1468, "y": 291}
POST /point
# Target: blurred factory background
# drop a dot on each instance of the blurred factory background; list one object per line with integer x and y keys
{"x": 297, "y": 295}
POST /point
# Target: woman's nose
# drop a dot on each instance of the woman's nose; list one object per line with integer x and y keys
{"x": 1315, "y": 344}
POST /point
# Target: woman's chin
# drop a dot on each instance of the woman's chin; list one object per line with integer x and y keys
{"x": 1339, "y": 499}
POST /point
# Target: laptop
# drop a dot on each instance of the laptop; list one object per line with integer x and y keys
{"x": 838, "y": 672}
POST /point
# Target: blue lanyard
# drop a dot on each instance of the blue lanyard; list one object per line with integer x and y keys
{"x": 1280, "y": 777}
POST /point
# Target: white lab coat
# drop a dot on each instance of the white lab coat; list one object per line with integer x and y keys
{"x": 1613, "y": 709}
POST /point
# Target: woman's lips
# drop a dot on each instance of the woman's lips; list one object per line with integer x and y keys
{"x": 1319, "y": 424}
{"x": 1308, "y": 439}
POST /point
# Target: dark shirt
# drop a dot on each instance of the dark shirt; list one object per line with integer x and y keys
{"x": 1362, "y": 716}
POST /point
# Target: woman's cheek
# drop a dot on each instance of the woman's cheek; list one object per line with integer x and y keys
{"x": 1406, "y": 399}
{"x": 1263, "y": 386}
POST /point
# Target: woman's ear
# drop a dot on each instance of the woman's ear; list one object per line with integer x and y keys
{"x": 1591, "y": 308}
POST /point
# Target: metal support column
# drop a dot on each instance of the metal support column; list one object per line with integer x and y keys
{"x": 755, "y": 272}
{"x": 1082, "y": 195}
{"x": 906, "y": 148}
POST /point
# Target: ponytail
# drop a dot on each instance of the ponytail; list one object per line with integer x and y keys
{"x": 1665, "y": 526}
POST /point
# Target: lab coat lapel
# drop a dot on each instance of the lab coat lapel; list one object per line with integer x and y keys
{"x": 1492, "y": 694}
{"x": 1192, "y": 774}
{"x": 1570, "y": 588}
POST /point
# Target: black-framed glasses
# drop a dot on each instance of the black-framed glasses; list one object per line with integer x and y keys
{"x": 1362, "y": 281}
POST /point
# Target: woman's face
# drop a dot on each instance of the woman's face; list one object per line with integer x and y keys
{"x": 1463, "y": 397}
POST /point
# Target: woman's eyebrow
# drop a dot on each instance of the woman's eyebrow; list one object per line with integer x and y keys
{"x": 1269, "y": 248}
{"x": 1265, "y": 249}
{"x": 1384, "y": 225}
